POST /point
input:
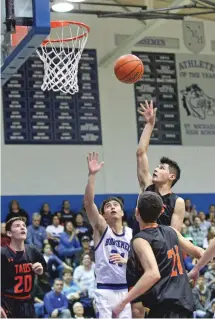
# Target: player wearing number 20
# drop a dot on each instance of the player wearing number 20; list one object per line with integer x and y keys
{"x": 112, "y": 244}
{"x": 19, "y": 265}
{"x": 155, "y": 265}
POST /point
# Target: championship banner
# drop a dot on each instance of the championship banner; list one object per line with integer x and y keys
{"x": 196, "y": 92}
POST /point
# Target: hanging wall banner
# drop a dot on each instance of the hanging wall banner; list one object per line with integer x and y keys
{"x": 196, "y": 91}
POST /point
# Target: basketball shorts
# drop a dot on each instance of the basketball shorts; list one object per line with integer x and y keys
{"x": 16, "y": 308}
{"x": 106, "y": 299}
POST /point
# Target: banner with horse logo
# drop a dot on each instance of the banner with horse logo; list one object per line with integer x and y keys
{"x": 196, "y": 91}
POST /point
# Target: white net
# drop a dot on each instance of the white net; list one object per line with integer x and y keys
{"x": 61, "y": 58}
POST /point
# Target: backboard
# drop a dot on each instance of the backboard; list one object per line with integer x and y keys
{"x": 25, "y": 24}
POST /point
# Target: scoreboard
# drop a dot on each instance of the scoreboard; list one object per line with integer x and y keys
{"x": 159, "y": 83}
{"x": 33, "y": 116}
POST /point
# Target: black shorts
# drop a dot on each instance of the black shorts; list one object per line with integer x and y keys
{"x": 16, "y": 308}
{"x": 169, "y": 312}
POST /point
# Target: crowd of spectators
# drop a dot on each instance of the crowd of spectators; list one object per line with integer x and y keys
{"x": 67, "y": 289}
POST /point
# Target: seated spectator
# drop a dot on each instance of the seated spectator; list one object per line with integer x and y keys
{"x": 56, "y": 303}
{"x": 84, "y": 275}
{"x": 4, "y": 239}
{"x": 41, "y": 287}
{"x": 15, "y": 210}
{"x": 205, "y": 224}
{"x": 74, "y": 293}
{"x": 53, "y": 231}
{"x": 187, "y": 222}
{"x": 210, "y": 278}
{"x": 211, "y": 309}
{"x": 210, "y": 236}
{"x": 36, "y": 234}
{"x": 83, "y": 228}
{"x": 190, "y": 210}
{"x": 211, "y": 214}
{"x": 201, "y": 296}
{"x": 185, "y": 231}
{"x": 69, "y": 245}
{"x": 71, "y": 290}
{"x": 197, "y": 233}
{"x": 87, "y": 249}
{"x": 78, "y": 311}
{"x": 55, "y": 265}
{"x": 84, "y": 214}
{"x": 66, "y": 213}
{"x": 46, "y": 215}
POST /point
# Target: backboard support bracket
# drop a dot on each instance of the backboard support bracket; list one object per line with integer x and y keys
{"x": 39, "y": 31}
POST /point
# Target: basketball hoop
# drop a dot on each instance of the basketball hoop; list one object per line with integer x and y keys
{"x": 61, "y": 56}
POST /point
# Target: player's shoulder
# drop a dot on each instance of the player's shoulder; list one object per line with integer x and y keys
{"x": 31, "y": 249}
{"x": 4, "y": 250}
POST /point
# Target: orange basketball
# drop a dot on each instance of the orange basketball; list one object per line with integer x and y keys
{"x": 128, "y": 68}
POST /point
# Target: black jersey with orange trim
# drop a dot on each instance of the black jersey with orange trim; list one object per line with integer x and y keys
{"x": 165, "y": 217}
{"x": 173, "y": 287}
{"x": 17, "y": 277}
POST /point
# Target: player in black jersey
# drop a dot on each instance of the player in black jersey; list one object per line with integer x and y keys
{"x": 164, "y": 177}
{"x": 155, "y": 265}
{"x": 19, "y": 264}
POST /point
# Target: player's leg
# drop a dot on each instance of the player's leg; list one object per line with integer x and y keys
{"x": 103, "y": 308}
{"x": 126, "y": 313}
{"x": 138, "y": 310}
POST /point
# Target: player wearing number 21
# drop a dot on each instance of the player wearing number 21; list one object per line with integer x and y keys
{"x": 19, "y": 265}
{"x": 112, "y": 244}
{"x": 155, "y": 265}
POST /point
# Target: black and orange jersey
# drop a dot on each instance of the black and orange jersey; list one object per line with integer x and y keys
{"x": 173, "y": 287}
{"x": 165, "y": 217}
{"x": 17, "y": 277}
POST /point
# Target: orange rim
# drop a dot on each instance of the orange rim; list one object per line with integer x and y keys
{"x": 66, "y": 23}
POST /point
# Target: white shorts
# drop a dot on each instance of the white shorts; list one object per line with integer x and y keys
{"x": 106, "y": 299}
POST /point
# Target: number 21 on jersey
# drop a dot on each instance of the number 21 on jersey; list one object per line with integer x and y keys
{"x": 177, "y": 268}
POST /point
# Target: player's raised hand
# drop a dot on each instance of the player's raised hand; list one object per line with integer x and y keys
{"x": 148, "y": 112}
{"x": 3, "y": 313}
{"x": 93, "y": 163}
{"x": 37, "y": 268}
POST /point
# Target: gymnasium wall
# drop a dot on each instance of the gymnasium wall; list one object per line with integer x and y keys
{"x": 34, "y": 174}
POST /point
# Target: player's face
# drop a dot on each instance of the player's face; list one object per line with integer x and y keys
{"x": 162, "y": 175}
{"x": 18, "y": 231}
{"x": 113, "y": 210}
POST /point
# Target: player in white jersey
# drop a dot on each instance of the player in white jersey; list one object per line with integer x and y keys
{"x": 112, "y": 243}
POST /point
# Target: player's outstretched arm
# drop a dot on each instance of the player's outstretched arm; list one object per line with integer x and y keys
{"x": 96, "y": 220}
{"x": 178, "y": 214}
{"x": 149, "y": 115}
{"x": 208, "y": 255}
{"x": 188, "y": 247}
{"x": 151, "y": 273}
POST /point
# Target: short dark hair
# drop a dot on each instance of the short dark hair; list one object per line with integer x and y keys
{"x": 67, "y": 271}
{"x": 150, "y": 206}
{"x": 174, "y": 168}
{"x": 109, "y": 200}
{"x": 10, "y": 222}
